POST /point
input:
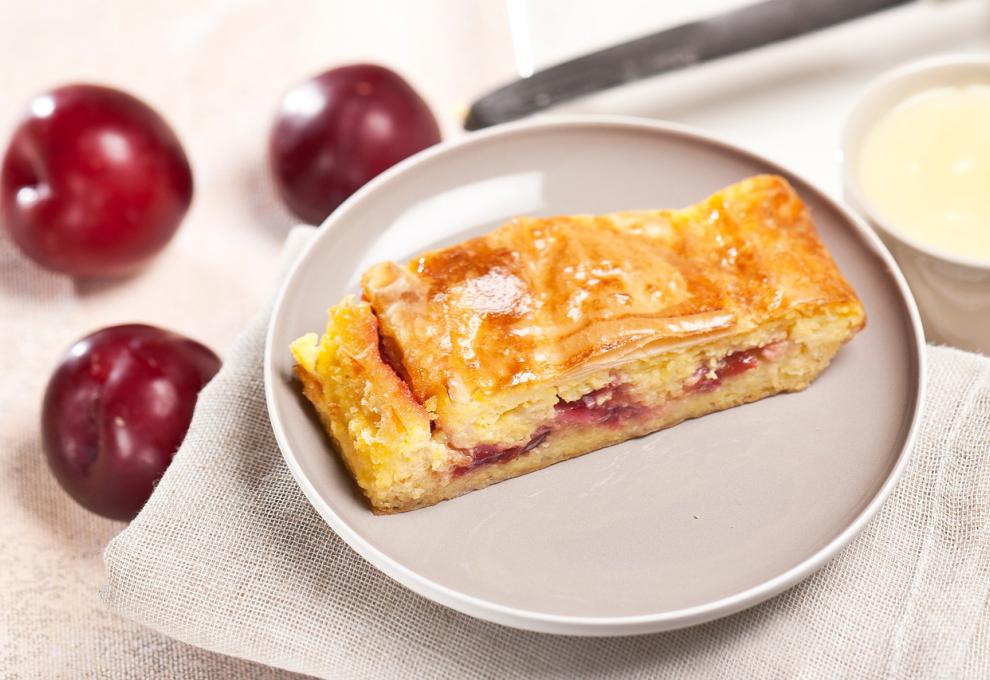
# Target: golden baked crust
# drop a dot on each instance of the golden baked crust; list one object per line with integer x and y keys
{"x": 550, "y": 337}
{"x": 384, "y": 436}
{"x": 539, "y": 298}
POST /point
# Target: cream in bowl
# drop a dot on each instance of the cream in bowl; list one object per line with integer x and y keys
{"x": 917, "y": 163}
{"x": 925, "y": 167}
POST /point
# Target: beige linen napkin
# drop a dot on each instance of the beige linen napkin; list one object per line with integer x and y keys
{"x": 52, "y": 621}
{"x": 228, "y": 555}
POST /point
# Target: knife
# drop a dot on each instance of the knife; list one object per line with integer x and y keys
{"x": 668, "y": 50}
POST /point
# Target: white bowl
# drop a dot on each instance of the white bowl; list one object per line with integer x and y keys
{"x": 952, "y": 291}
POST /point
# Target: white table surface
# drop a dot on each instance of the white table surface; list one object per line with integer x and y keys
{"x": 215, "y": 70}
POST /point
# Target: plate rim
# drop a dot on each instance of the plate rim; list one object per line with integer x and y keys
{"x": 594, "y": 625}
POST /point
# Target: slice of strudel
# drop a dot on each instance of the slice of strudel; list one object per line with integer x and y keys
{"x": 552, "y": 337}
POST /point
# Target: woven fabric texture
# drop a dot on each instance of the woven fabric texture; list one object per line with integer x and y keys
{"x": 229, "y": 556}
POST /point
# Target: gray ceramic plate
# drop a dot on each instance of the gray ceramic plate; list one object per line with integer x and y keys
{"x": 670, "y": 530}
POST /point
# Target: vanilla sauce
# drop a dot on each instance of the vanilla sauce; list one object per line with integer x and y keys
{"x": 925, "y": 169}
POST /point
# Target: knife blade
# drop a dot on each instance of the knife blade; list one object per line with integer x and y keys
{"x": 696, "y": 42}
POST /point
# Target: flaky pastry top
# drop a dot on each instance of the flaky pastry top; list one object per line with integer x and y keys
{"x": 540, "y": 298}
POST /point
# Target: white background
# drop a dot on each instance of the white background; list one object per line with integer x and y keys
{"x": 215, "y": 70}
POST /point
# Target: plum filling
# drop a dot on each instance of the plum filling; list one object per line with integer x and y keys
{"x": 485, "y": 454}
{"x": 613, "y": 405}
{"x": 709, "y": 378}
{"x": 610, "y": 406}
